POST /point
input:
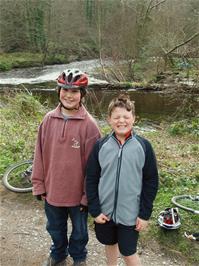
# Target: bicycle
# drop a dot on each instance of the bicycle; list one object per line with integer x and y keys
{"x": 187, "y": 202}
{"x": 17, "y": 177}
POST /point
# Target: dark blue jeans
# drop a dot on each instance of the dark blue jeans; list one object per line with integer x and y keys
{"x": 57, "y": 227}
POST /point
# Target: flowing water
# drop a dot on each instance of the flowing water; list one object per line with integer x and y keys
{"x": 41, "y": 81}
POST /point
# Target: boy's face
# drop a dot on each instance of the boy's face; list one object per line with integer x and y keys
{"x": 70, "y": 98}
{"x": 121, "y": 121}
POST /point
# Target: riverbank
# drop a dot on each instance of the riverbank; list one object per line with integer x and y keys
{"x": 177, "y": 151}
{"x": 172, "y": 80}
{"x": 9, "y": 61}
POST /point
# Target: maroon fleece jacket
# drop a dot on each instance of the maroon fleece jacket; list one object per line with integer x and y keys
{"x": 61, "y": 152}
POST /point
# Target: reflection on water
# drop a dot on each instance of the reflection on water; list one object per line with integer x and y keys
{"x": 148, "y": 104}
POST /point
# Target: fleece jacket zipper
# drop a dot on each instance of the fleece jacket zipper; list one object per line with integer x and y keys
{"x": 114, "y": 212}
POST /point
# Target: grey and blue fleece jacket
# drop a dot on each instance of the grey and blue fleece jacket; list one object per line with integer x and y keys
{"x": 122, "y": 180}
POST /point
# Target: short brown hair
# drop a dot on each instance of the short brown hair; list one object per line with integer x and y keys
{"x": 122, "y": 101}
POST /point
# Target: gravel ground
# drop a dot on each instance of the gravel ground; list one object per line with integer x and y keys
{"x": 24, "y": 240}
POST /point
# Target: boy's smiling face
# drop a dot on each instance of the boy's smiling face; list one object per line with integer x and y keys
{"x": 121, "y": 121}
{"x": 70, "y": 98}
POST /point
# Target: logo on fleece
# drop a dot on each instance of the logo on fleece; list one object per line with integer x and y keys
{"x": 75, "y": 144}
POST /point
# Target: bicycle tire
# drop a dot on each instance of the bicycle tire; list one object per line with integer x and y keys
{"x": 175, "y": 199}
{"x": 10, "y": 170}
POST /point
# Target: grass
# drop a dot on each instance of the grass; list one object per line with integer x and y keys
{"x": 19, "y": 118}
{"x": 177, "y": 156}
{"x": 14, "y": 60}
{"x": 178, "y": 169}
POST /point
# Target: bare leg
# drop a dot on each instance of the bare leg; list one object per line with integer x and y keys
{"x": 132, "y": 260}
{"x": 112, "y": 253}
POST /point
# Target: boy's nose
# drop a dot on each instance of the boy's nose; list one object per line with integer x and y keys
{"x": 121, "y": 119}
{"x": 68, "y": 92}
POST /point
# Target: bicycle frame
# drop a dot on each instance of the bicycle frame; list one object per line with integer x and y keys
{"x": 176, "y": 198}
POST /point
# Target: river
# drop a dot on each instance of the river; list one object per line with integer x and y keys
{"x": 41, "y": 81}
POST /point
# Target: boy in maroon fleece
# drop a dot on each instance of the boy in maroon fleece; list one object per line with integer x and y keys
{"x": 65, "y": 139}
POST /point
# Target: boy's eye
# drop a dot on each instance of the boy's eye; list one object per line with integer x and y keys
{"x": 119, "y": 117}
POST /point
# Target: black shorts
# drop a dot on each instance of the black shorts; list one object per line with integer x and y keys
{"x": 111, "y": 233}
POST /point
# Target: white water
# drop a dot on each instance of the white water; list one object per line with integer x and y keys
{"x": 37, "y": 75}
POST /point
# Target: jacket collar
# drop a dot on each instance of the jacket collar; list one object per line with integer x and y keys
{"x": 127, "y": 136}
{"x": 81, "y": 113}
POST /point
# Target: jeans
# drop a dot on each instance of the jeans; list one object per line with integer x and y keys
{"x": 57, "y": 227}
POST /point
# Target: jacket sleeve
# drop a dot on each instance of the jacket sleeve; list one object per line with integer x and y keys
{"x": 93, "y": 171}
{"x": 150, "y": 183}
{"x": 93, "y": 135}
{"x": 38, "y": 171}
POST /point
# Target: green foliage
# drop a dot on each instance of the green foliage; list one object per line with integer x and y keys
{"x": 35, "y": 19}
{"x": 19, "y": 119}
{"x": 19, "y": 60}
{"x": 56, "y": 59}
{"x": 105, "y": 130}
{"x": 186, "y": 126}
{"x": 169, "y": 181}
{"x": 89, "y": 10}
{"x": 14, "y": 60}
{"x": 5, "y": 66}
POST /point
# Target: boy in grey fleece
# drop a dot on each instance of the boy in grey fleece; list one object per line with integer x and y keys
{"x": 121, "y": 184}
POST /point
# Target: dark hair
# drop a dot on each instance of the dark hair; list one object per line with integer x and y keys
{"x": 122, "y": 101}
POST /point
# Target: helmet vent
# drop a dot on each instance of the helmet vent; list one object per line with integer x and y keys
{"x": 63, "y": 76}
{"x": 70, "y": 76}
{"x": 77, "y": 78}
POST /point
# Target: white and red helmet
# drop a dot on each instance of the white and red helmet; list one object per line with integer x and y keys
{"x": 169, "y": 219}
{"x": 72, "y": 78}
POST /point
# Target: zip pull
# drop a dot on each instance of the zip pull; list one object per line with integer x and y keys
{"x": 120, "y": 150}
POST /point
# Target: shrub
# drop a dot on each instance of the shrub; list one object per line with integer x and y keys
{"x": 186, "y": 126}
{"x": 20, "y": 116}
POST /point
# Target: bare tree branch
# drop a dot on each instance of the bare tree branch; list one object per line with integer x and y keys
{"x": 149, "y": 8}
{"x": 183, "y": 43}
{"x": 146, "y": 14}
{"x": 157, "y": 4}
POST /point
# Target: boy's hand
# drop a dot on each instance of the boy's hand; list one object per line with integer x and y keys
{"x": 101, "y": 219}
{"x": 40, "y": 197}
{"x": 141, "y": 224}
{"x": 83, "y": 208}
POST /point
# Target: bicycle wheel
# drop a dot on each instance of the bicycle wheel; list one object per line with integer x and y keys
{"x": 187, "y": 203}
{"x": 17, "y": 177}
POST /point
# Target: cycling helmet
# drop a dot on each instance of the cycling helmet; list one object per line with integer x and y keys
{"x": 73, "y": 79}
{"x": 169, "y": 219}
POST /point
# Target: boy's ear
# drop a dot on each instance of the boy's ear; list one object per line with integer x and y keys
{"x": 134, "y": 119}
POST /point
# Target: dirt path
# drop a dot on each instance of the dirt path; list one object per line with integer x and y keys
{"x": 24, "y": 240}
